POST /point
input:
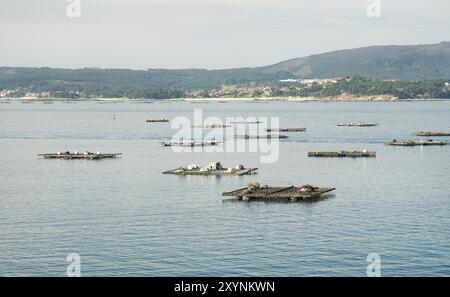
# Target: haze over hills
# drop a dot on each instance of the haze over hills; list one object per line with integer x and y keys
{"x": 413, "y": 62}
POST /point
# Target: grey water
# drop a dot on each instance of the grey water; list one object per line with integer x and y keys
{"x": 124, "y": 218}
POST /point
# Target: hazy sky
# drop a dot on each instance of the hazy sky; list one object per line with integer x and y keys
{"x": 206, "y": 33}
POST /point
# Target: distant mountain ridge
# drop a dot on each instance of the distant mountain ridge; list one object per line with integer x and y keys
{"x": 409, "y": 62}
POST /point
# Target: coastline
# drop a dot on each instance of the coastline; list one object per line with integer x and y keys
{"x": 342, "y": 98}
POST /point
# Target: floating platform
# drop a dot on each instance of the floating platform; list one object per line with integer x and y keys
{"x": 259, "y": 192}
{"x": 343, "y": 154}
{"x": 286, "y": 130}
{"x": 245, "y": 122}
{"x": 360, "y": 124}
{"x": 191, "y": 143}
{"x": 211, "y": 126}
{"x": 430, "y": 134}
{"x": 214, "y": 168}
{"x": 268, "y": 136}
{"x": 416, "y": 142}
{"x": 77, "y": 155}
{"x": 158, "y": 121}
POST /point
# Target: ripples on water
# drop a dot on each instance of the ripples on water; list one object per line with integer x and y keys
{"x": 125, "y": 218}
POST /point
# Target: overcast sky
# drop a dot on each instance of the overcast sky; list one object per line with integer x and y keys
{"x": 210, "y": 34}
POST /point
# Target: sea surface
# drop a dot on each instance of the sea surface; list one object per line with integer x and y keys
{"x": 124, "y": 218}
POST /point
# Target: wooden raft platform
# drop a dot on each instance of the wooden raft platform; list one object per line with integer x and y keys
{"x": 342, "y": 154}
{"x": 286, "y": 130}
{"x": 214, "y": 168}
{"x": 357, "y": 124}
{"x": 158, "y": 121}
{"x": 416, "y": 142}
{"x": 244, "y": 122}
{"x": 211, "y": 126}
{"x": 79, "y": 156}
{"x": 268, "y": 136}
{"x": 266, "y": 193}
{"x": 429, "y": 133}
{"x": 191, "y": 143}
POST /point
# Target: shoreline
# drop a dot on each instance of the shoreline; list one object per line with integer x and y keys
{"x": 227, "y": 100}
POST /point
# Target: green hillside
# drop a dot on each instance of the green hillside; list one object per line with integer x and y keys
{"x": 416, "y": 62}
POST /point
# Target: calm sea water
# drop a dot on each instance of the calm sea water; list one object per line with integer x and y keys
{"x": 123, "y": 217}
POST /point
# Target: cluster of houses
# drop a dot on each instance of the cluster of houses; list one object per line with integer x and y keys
{"x": 235, "y": 92}
{"x": 319, "y": 81}
{"x": 7, "y": 93}
{"x": 20, "y": 93}
{"x": 23, "y": 95}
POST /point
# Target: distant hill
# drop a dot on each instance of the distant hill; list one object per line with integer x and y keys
{"x": 410, "y": 62}
{"x": 91, "y": 78}
{"x": 414, "y": 62}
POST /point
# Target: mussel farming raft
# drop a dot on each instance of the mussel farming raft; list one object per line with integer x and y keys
{"x": 255, "y": 191}
{"x": 211, "y": 126}
{"x": 191, "y": 143}
{"x": 360, "y": 124}
{"x": 214, "y": 168}
{"x": 78, "y": 156}
{"x": 158, "y": 121}
{"x": 429, "y": 134}
{"x": 245, "y": 122}
{"x": 268, "y": 136}
{"x": 286, "y": 130}
{"x": 416, "y": 142}
{"x": 342, "y": 154}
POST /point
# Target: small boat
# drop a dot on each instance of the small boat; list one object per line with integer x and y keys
{"x": 214, "y": 168}
{"x": 286, "y": 130}
{"x": 360, "y": 124}
{"x": 257, "y": 192}
{"x": 430, "y": 134}
{"x": 158, "y": 121}
{"x": 416, "y": 142}
{"x": 78, "y": 155}
{"x": 341, "y": 154}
